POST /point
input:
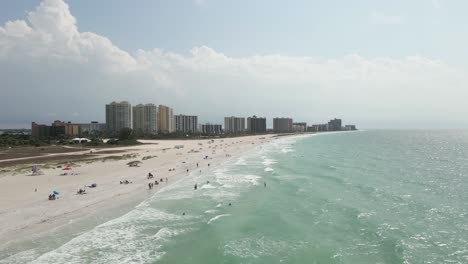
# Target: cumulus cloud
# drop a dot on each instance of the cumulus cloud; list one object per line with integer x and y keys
{"x": 49, "y": 66}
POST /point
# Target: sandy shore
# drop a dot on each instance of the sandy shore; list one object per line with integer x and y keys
{"x": 27, "y": 213}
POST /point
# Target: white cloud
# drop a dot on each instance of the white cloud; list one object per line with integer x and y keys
{"x": 49, "y": 66}
{"x": 383, "y": 19}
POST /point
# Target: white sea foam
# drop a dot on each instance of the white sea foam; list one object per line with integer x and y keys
{"x": 208, "y": 186}
{"x": 21, "y": 257}
{"x": 286, "y": 150}
{"x": 254, "y": 247}
{"x": 217, "y": 217}
{"x": 268, "y": 169}
{"x": 267, "y": 161}
{"x": 241, "y": 161}
{"x": 211, "y": 211}
{"x": 126, "y": 239}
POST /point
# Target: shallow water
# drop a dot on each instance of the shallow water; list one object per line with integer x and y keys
{"x": 360, "y": 197}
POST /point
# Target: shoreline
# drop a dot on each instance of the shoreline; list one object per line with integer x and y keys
{"x": 28, "y": 218}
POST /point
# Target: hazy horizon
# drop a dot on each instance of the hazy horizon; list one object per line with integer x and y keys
{"x": 377, "y": 65}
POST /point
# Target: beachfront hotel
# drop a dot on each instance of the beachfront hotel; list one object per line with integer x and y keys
{"x": 299, "y": 127}
{"x": 92, "y": 127}
{"x": 145, "y": 119}
{"x": 334, "y": 125}
{"x": 211, "y": 129}
{"x": 234, "y": 124}
{"x": 256, "y": 124}
{"x": 118, "y": 116}
{"x": 165, "y": 119}
{"x": 186, "y": 124}
{"x": 282, "y": 125}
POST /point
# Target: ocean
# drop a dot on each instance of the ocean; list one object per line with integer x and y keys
{"x": 376, "y": 196}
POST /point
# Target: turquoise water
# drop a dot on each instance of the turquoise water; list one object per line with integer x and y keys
{"x": 358, "y": 197}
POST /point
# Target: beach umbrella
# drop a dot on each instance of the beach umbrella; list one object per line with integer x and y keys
{"x": 67, "y": 168}
{"x": 56, "y": 192}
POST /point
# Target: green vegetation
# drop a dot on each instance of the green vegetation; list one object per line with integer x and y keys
{"x": 12, "y": 140}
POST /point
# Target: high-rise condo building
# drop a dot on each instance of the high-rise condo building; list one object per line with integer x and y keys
{"x": 186, "y": 124}
{"x": 145, "y": 119}
{"x": 299, "y": 127}
{"x": 334, "y": 125}
{"x": 282, "y": 125}
{"x": 256, "y": 124}
{"x": 118, "y": 116}
{"x": 234, "y": 125}
{"x": 211, "y": 129}
{"x": 165, "y": 119}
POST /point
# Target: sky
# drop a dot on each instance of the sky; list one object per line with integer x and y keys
{"x": 376, "y": 64}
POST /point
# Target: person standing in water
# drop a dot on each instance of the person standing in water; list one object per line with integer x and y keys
{"x": 195, "y": 187}
{"x": 264, "y": 183}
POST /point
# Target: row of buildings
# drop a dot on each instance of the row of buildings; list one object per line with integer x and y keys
{"x": 59, "y": 129}
{"x": 150, "y": 119}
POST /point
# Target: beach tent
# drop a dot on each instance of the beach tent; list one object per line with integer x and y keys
{"x": 67, "y": 168}
{"x": 56, "y": 192}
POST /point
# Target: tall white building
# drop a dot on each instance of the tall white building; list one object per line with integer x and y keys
{"x": 186, "y": 124}
{"x": 234, "y": 124}
{"x": 118, "y": 116}
{"x": 145, "y": 119}
{"x": 165, "y": 119}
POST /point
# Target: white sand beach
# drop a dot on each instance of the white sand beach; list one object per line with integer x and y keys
{"x": 26, "y": 213}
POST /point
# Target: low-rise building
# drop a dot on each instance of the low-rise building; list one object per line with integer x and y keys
{"x": 318, "y": 128}
{"x": 299, "y": 127}
{"x": 56, "y": 130}
{"x": 92, "y": 127}
{"x": 211, "y": 129}
{"x": 350, "y": 127}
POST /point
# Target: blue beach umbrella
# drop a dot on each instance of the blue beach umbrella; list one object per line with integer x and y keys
{"x": 56, "y": 192}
